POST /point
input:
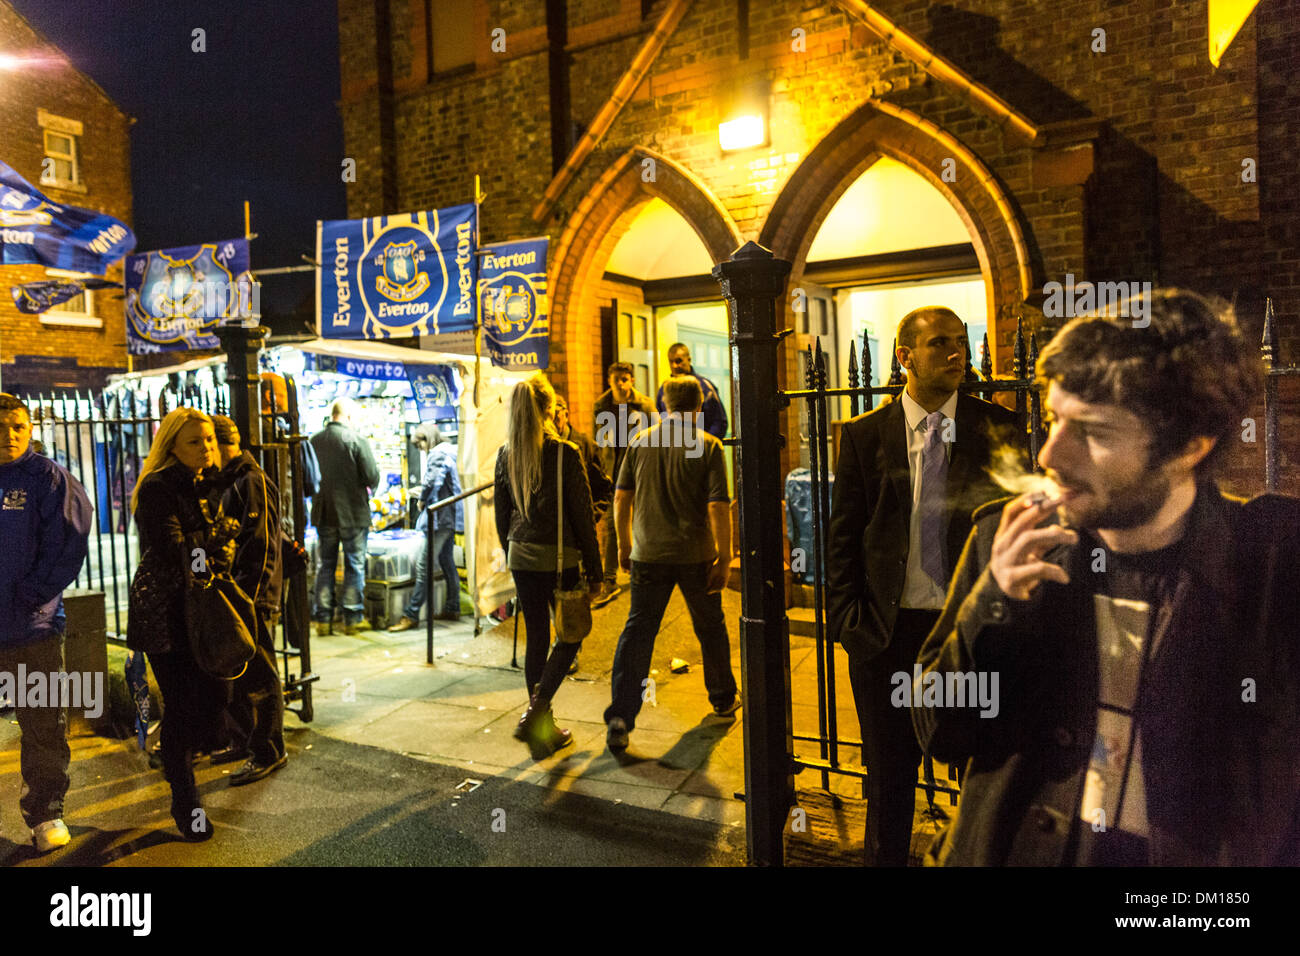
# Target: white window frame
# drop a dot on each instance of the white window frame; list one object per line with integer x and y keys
{"x": 61, "y": 315}
{"x": 52, "y": 125}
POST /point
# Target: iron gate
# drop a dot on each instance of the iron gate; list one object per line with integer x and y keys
{"x": 753, "y": 284}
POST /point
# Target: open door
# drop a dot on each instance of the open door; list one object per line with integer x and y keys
{"x": 636, "y": 343}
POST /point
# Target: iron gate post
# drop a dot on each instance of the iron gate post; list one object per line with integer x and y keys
{"x": 752, "y": 280}
{"x": 242, "y": 344}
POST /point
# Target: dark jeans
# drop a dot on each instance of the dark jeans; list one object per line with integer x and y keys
{"x": 536, "y": 593}
{"x": 256, "y": 707}
{"x": 444, "y": 551}
{"x": 353, "y": 541}
{"x": 890, "y": 748}
{"x": 652, "y": 586}
{"x": 44, "y": 745}
{"x": 192, "y": 706}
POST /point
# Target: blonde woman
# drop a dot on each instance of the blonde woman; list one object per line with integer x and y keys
{"x": 527, "y": 515}
{"x": 174, "y": 504}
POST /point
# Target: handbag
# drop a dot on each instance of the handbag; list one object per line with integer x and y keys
{"x": 148, "y": 619}
{"x": 572, "y": 607}
{"x": 220, "y": 623}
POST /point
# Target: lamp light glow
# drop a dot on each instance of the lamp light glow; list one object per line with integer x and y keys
{"x": 741, "y": 133}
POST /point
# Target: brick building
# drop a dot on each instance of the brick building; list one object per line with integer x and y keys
{"x": 63, "y": 134}
{"x": 968, "y": 153}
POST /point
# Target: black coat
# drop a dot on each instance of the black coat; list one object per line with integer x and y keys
{"x": 871, "y": 507}
{"x": 251, "y": 498}
{"x": 1221, "y": 765}
{"x": 541, "y": 525}
{"x": 347, "y": 471}
{"x": 170, "y": 522}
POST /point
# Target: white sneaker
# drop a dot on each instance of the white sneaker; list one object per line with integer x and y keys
{"x": 50, "y": 835}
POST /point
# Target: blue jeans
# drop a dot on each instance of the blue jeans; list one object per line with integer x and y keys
{"x": 353, "y": 541}
{"x": 444, "y": 551}
{"x": 652, "y": 586}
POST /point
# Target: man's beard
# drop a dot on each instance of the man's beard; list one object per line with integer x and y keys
{"x": 1128, "y": 506}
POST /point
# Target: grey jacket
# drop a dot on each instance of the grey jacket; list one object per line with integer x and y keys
{"x": 347, "y": 473}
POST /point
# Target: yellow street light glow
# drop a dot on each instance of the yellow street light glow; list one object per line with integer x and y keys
{"x": 741, "y": 133}
{"x": 9, "y": 62}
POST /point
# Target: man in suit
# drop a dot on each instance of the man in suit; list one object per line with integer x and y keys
{"x": 908, "y": 477}
{"x": 341, "y": 514}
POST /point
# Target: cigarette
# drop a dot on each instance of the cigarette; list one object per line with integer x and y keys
{"x": 1037, "y": 498}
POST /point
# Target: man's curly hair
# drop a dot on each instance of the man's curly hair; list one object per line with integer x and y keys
{"x": 1189, "y": 372}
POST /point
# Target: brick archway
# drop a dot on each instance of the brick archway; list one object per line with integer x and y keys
{"x": 878, "y": 129}
{"x": 589, "y": 237}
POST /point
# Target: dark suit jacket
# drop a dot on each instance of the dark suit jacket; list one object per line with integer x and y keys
{"x": 1219, "y": 757}
{"x": 871, "y": 508}
{"x": 347, "y": 471}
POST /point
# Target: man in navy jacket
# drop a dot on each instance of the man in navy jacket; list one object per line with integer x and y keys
{"x": 44, "y": 522}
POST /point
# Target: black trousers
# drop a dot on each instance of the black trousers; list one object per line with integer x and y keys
{"x": 43, "y": 751}
{"x": 192, "y": 706}
{"x": 890, "y": 747}
{"x": 256, "y": 707}
{"x": 544, "y": 667}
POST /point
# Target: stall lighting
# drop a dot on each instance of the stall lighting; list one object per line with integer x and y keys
{"x": 743, "y": 132}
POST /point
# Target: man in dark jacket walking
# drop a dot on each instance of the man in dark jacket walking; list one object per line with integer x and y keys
{"x": 256, "y": 707}
{"x": 44, "y": 524}
{"x": 341, "y": 514}
{"x": 1143, "y": 627}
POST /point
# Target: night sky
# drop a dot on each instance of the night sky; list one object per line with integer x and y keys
{"x": 253, "y": 118}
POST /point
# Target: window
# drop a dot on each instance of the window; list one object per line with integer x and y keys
{"x": 79, "y": 311}
{"x": 452, "y": 27}
{"x": 61, "y": 166}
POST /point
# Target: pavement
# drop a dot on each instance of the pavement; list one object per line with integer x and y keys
{"x": 401, "y": 754}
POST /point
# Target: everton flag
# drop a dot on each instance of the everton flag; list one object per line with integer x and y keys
{"x": 175, "y": 298}
{"x": 512, "y": 294}
{"x": 34, "y": 298}
{"x": 34, "y": 230}
{"x": 397, "y": 276}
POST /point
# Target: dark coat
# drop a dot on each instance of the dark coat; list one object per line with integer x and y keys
{"x": 442, "y": 480}
{"x": 347, "y": 472}
{"x": 871, "y": 507}
{"x": 715, "y": 413}
{"x": 251, "y": 498}
{"x": 602, "y": 486}
{"x": 44, "y": 522}
{"x": 1219, "y": 764}
{"x": 170, "y": 522}
{"x": 541, "y": 525}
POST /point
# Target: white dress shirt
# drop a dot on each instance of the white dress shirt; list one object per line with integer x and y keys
{"x": 919, "y": 589}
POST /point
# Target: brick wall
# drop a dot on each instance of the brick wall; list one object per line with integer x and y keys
{"x": 1138, "y": 177}
{"x": 105, "y": 169}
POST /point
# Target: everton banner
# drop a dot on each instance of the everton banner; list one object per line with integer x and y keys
{"x": 512, "y": 295}
{"x": 437, "y": 390}
{"x": 397, "y": 276}
{"x": 175, "y": 298}
{"x": 34, "y": 298}
{"x": 34, "y": 230}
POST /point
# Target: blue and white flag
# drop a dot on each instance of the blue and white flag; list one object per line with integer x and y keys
{"x": 34, "y": 230}
{"x": 397, "y": 276}
{"x": 34, "y": 298}
{"x": 175, "y": 298}
{"x": 513, "y": 300}
{"x": 437, "y": 392}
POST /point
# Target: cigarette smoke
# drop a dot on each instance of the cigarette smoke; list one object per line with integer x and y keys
{"x": 1009, "y": 473}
